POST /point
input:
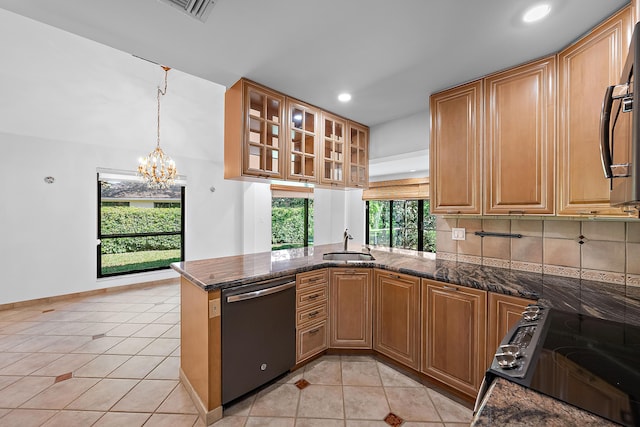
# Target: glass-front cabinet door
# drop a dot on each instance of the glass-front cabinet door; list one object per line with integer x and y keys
{"x": 358, "y": 162}
{"x": 333, "y": 150}
{"x": 264, "y": 133}
{"x": 303, "y": 142}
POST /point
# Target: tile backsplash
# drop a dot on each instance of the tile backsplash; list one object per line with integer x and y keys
{"x": 589, "y": 249}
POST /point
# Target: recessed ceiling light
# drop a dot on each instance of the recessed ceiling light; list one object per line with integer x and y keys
{"x": 344, "y": 97}
{"x": 536, "y": 13}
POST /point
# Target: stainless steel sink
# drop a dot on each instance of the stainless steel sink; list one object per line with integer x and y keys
{"x": 347, "y": 256}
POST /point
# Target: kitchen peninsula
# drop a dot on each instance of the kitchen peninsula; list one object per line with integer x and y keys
{"x": 203, "y": 280}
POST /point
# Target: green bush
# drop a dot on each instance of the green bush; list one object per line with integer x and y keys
{"x": 287, "y": 225}
{"x": 121, "y": 220}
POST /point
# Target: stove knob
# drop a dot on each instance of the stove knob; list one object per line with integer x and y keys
{"x": 530, "y": 316}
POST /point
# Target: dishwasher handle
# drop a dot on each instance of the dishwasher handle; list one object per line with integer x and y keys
{"x": 261, "y": 292}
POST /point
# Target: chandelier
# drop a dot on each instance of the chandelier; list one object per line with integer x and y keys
{"x": 157, "y": 169}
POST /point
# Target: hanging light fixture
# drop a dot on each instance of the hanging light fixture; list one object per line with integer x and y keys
{"x": 157, "y": 169}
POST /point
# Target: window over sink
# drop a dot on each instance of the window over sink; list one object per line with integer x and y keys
{"x": 291, "y": 217}
{"x": 403, "y": 224}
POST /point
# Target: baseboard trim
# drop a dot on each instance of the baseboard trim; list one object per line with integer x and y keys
{"x": 209, "y": 417}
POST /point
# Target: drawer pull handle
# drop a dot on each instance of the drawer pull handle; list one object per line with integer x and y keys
{"x": 314, "y": 331}
{"x": 394, "y": 276}
{"x": 313, "y": 313}
{"x": 450, "y": 288}
{"x": 349, "y": 272}
{"x": 314, "y": 296}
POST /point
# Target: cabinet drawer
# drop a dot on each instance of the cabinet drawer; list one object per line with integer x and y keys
{"x": 312, "y": 278}
{"x": 312, "y": 313}
{"x": 311, "y": 295}
{"x": 312, "y": 340}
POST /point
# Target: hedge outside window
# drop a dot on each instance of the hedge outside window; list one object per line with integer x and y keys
{"x": 291, "y": 217}
{"x": 139, "y": 228}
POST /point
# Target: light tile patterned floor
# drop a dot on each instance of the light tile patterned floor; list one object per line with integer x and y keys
{"x": 122, "y": 350}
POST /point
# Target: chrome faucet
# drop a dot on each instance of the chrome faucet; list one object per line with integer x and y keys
{"x": 346, "y": 238}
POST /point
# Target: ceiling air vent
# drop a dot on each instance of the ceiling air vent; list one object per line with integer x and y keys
{"x": 198, "y": 9}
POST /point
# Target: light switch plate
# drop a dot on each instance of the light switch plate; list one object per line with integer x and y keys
{"x": 458, "y": 233}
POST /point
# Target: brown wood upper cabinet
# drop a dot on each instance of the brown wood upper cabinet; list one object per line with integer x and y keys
{"x": 454, "y": 334}
{"x": 254, "y": 123}
{"x": 397, "y": 317}
{"x": 334, "y": 140}
{"x": 358, "y": 155}
{"x": 586, "y": 68}
{"x": 456, "y": 136}
{"x": 302, "y": 142}
{"x": 268, "y": 135}
{"x": 350, "y": 324}
{"x": 520, "y": 139}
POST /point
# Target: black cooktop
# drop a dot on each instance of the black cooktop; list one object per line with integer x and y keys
{"x": 591, "y": 363}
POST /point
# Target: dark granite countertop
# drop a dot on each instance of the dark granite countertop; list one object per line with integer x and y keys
{"x": 506, "y": 403}
{"x": 598, "y": 299}
{"x": 510, "y": 404}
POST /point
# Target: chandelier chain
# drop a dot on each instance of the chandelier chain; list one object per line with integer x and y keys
{"x": 162, "y": 92}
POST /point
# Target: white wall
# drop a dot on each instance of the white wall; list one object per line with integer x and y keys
{"x": 69, "y": 106}
{"x": 404, "y": 135}
{"x": 400, "y": 148}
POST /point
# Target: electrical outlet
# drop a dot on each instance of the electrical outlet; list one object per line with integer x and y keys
{"x": 457, "y": 233}
{"x": 214, "y": 308}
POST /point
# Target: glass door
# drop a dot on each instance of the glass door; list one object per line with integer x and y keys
{"x": 358, "y": 141}
{"x": 303, "y": 122}
{"x": 264, "y": 133}
{"x": 333, "y": 141}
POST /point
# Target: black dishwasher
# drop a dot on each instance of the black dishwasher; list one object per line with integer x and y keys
{"x": 258, "y": 335}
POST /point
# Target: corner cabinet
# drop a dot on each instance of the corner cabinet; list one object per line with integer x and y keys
{"x": 454, "y": 335}
{"x": 456, "y": 136}
{"x": 253, "y": 131}
{"x": 358, "y": 156}
{"x": 302, "y": 142}
{"x": 520, "y": 139}
{"x": 350, "y": 308}
{"x": 585, "y": 69}
{"x": 396, "y": 317}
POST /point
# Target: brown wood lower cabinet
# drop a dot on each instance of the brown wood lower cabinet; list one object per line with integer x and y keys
{"x": 312, "y": 340}
{"x": 504, "y": 312}
{"x": 454, "y": 334}
{"x": 397, "y": 317}
{"x": 311, "y": 313}
{"x": 350, "y": 307}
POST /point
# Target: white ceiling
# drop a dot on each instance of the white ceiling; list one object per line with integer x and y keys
{"x": 389, "y": 54}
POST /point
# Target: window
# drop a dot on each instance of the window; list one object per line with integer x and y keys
{"x": 291, "y": 217}
{"x": 400, "y": 224}
{"x": 165, "y": 205}
{"x": 139, "y": 228}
